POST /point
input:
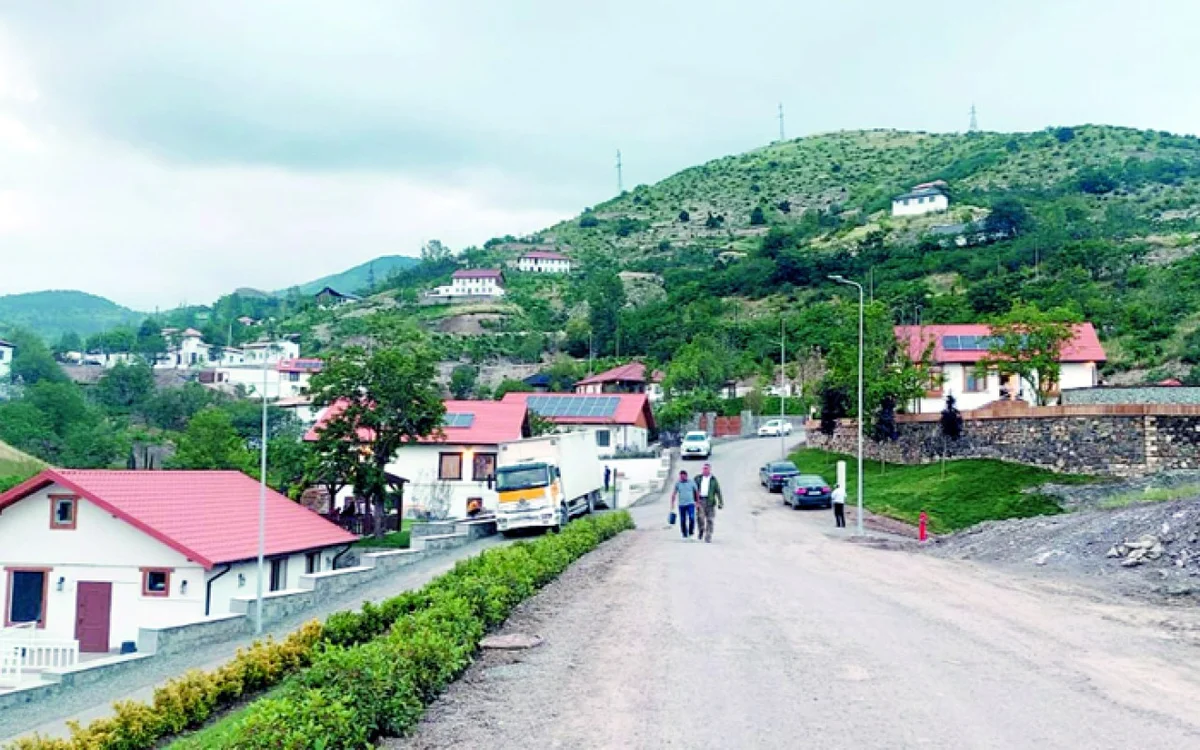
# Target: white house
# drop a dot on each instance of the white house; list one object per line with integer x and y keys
{"x": 472, "y": 282}
{"x": 445, "y": 473}
{"x": 956, "y": 351}
{"x": 925, "y": 198}
{"x": 7, "y": 351}
{"x": 91, "y": 556}
{"x": 617, "y": 421}
{"x": 630, "y": 378}
{"x": 287, "y": 379}
{"x": 543, "y": 261}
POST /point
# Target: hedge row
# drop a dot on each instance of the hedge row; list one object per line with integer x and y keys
{"x": 370, "y": 673}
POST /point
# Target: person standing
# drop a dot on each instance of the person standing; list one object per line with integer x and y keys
{"x": 839, "y": 506}
{"x": 709, "y": 491}
{"x": 607, "y": 476}
{"x": 685, "y": 496}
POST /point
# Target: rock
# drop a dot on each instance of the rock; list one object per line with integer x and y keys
{"x": 1044, "y": 557}
{"x": 1130, "y": 562}
{"x": 1113, "y": 551}
{"x": 511, "y": 642}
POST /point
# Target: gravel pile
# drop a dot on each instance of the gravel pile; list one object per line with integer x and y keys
{"x": 1146, "y": 549}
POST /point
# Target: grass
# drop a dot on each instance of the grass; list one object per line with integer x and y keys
{"x": 969, "y": 492}
{"x": 392, "y": 540}
{"x": 1158, "y": 495}
{"x": 223, "y": 728}
{"x": 16, "y": 467}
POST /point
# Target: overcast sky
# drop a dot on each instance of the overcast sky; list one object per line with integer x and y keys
{"x": 169, "y": 151}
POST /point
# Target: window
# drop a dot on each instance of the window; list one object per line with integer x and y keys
{"x": 62, "y": 511}
{"x": 974, "y": 382}
{"x": 936, "y": 381}
{"x": 26, "y": 596}
{"x": 156, "y": 582}
{"x": 293, "y": 377}
{"x": 450, "y": 467}
{"x": 279, "y": 574}
{"x": 312, "y": 562}
{"x": 483, "y": 466}
{"x": 604, "y": 438}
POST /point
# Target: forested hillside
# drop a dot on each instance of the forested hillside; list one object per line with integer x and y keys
{"x": 53, "y": 313}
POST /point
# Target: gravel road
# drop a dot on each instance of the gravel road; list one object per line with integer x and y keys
{"x": 785, "y": 632}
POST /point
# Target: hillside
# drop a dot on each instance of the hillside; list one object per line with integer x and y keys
{"x": 15, "y": 466}
{"x": 52, "y": 313}
{"x": 360, "y": 277}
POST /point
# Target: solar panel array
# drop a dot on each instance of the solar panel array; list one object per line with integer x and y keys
{"x": 458, "y": 420}
{"x": 574, "y": 406}
{"x": 966, "y": 343}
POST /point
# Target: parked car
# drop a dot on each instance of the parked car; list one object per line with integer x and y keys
{"x": 807, "y": 491}
{"x": 696, "y": 445}
{"x": 775, "y": 474}
{"x": 775, "y": 428}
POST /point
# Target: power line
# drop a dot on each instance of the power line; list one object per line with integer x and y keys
{"x": 620, "y": 177}
{"x": 974, "y": 120}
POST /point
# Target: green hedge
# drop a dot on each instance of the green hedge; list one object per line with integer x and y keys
{"x": 370, "y": 672}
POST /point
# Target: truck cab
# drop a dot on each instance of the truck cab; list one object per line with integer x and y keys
{"x": 531, "y": 495}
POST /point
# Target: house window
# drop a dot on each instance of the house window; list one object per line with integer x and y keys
{"x": 483, "y": 467}
{"x": 26, "y": 596}
{"x": 156, "y": 582}
{"x": 279, "y": 574}
{"x": 312, "y": 562}
{"x": 450, "y": 467}
{"x": 293, "y": 377}
{"x": 603, "y": 438}
{"x": 975, "y": 382}
{"x": 62, "y": 511}
{"x": 936, "y": 381}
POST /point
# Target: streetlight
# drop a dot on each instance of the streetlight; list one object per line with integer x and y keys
{"x": 262, "y": 498}
{"x": 843, "y": 280}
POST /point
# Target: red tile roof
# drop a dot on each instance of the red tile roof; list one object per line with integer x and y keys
{"x": 210, "y": 516}
{"x": 634, "y": 372}
{"x": 300, "y": 365}
{"x": 494, "y": 422}
{"x": 477, "y": 273}
{"x": 192, "y": 333}
{"x": 631, "y": 407}
{"x": 1085, "y": 347}
{"x": 544, "y": 255}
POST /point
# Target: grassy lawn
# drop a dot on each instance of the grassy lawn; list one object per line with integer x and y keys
{"x": 391, "y": 540}
{"x": 970, "y": 491}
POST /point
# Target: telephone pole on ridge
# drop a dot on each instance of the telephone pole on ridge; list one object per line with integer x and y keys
{"x": 620, "y": 178}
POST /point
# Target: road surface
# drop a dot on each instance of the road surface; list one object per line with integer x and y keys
{"x": 784, "y": 633}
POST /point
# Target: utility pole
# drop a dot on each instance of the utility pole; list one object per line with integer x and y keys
{"x": 620, "y": 177}
{"x": 974, "y": 120}
{"x": 781, "y": 136}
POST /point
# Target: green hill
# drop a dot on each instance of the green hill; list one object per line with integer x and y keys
{"x": 52, "y": 313}
{"x": 16, "y": 467}
{"x": 360, "y": 277}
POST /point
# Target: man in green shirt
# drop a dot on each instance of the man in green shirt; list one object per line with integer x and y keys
{"x": 709, "y": 491}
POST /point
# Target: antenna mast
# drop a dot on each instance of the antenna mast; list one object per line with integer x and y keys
{"x": 974, "y": 120}
{"x": 781, "y": 136}
{"x": 620, "y": 177}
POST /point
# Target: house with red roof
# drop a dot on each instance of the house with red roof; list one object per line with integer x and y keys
{"x": 92, "y": 556}
{"x": 617, "y": 421}
{"x": 544, "y": 261}
{"x": 448, "y": 472}
{"x": 955, "y": 352}
{"x": 471, "y": 282}
{"x": 630, "y": 378}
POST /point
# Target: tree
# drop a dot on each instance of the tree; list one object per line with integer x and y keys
{"x": 605, "y": 298}
{"x": 1029, "y": 343}
{"x": 1008, "y": 218}
{"x": 587, "y": 220}
{"x": 463, "y": 380}
{"x": 684, "y": 217}
{"x": 68, "y": 342}
{"x": 508, "y": 385}
{"x": 539, "y": 425}
{"x": 384, "y": 400}
{"x": 211, "y": 442}
{"x": 714, "y": 221}
{"x": 172, "y": 408}
{"x": 701, "y": 366}
{"x": 150, "y": 341}
{"x": 563, "y": 374}
{"x": 951, "y": 421}
{"x": 435, "y": 252}
{"x": 32, "y": 363}
{"x": 124, "y": 388}
{"x": 833, "y": 407}
{"x": 885, "y": 423}
{"x": 757, "y": 218}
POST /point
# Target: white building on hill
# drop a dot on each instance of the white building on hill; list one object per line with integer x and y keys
{"x": 542, "y": 261}
{"x": 7, "y": 351}
{"x": 926, "y": 198}
{"x": 472, "y": 282}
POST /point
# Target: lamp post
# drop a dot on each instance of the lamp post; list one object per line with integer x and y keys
{"x": 861, "y": 302}
{"x": 262, "y": 501}
{"x": 782, "y": 389}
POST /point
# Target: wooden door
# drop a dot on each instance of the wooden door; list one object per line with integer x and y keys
{"x": 93, "y": 610}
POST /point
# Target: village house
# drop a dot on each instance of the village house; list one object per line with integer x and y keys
{"x": 329, "y": 298}
{"x": 471, "y": 282}
{"x": 957, "y": 350}
{"x": 7, "y": 351}
{"x": 544, "y": 261}
{"x": 618, "y": 421}
{"x": 445, "y": 472}
{"x": 285, "y": 379}
{"x": 925, "y": 198}
{"x": 630, "y": 378}
{"x": 91, "y": 556}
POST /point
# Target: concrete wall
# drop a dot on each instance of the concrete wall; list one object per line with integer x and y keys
{"x": 1110, "y": 440}
{"x": 1150, "y": 394}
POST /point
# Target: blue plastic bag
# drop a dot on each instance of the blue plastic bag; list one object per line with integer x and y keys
{"x": 671, "y": 518}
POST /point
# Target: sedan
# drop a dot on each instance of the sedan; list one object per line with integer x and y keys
{"x": 775, "y": 428}
{"x": 696, "y": 445}
{"x": 808, "y": 491}
{"x": 775, "y": 474}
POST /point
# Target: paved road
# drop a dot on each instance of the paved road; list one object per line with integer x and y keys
{"x": 782, "y": 633}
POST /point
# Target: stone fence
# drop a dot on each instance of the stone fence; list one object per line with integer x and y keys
{"x": 1118, "y": 440}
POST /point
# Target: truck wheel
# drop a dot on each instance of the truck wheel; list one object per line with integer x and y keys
{"x": 564, "y": 517}
{"x": 591, "y": 503}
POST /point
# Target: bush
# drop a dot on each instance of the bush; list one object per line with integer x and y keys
{"x": 312, "y": 719}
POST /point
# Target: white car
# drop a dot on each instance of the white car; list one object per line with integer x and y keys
{"x": 775, "y": 428}
{"x": 696, "y": 445}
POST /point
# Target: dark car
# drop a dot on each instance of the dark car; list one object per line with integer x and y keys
{"x": 775, "y": 474}
{"x": 808, "y": 491}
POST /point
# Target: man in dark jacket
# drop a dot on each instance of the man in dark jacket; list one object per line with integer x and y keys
{"x": 709, "y": 491}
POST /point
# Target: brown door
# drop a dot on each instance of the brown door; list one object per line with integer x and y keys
{"x": 93, "y": 607}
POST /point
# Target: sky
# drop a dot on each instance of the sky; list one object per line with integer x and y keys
{"x": 167, "y": 152}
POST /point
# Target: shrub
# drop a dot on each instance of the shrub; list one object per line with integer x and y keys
{"x": 310, "y": 719}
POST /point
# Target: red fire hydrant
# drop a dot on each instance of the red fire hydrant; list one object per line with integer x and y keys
{"x": 924, "y": 523}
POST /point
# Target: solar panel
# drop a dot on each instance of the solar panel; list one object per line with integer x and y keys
{"x": 458, "y": 420}
{"x": 579, "y": 406}
{"x": 951, "y": 343}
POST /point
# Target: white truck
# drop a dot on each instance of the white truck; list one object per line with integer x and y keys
{"x": 546, "y": 481}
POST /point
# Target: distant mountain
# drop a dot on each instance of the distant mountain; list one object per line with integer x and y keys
{"x": 53, "y": 313}
{"x": 360, "y": 277}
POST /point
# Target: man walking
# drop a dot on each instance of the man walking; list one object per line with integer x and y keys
{"x": 839, "y": 506}
{"x": 709, "y": 490}
{"x": 685, "y": 495}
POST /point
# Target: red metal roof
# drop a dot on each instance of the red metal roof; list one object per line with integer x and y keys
{"x": 477, "y": 273}
{"x": 494, "y": 422}
{"x": 631, "y": 408}
{"x": 634, "y": 372}
{"x": 544, "y": 255}
{"x": 210, "y": 516}
{"x": 1085, "y": 347}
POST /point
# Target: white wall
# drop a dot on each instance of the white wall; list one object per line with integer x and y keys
{"x": 6, "y": 356}
{"x": 625, "y": 437}
{"x": 1072, "y": 375}
{"x": 278, "y": 385}
{"x": 920, "y": 205}
{"x": 544, "y": 265}
{"x": 481, "y": 287}
{"x": 419, "y": 465}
